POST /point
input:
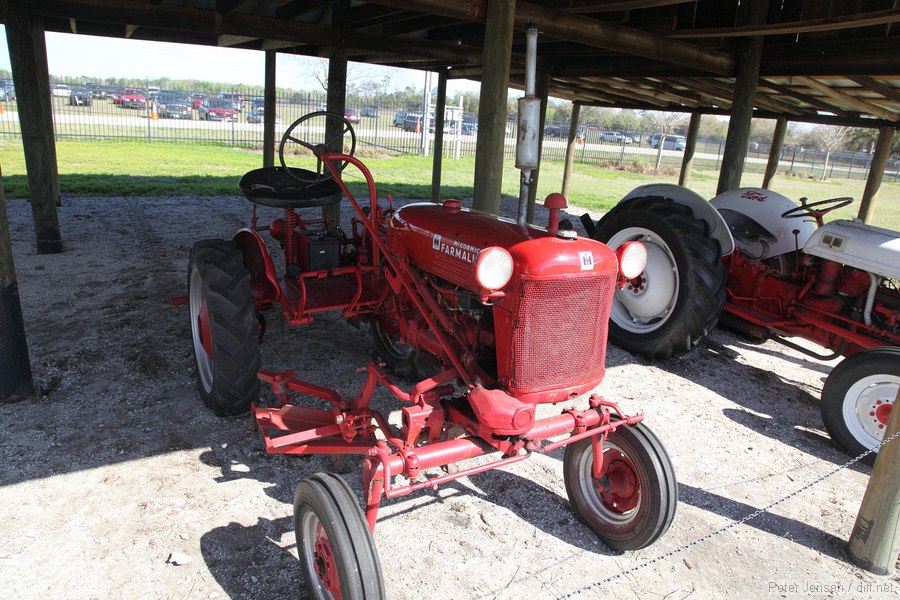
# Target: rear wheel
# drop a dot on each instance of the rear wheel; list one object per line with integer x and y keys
{"x": 224, "y": 328}
{"x": 401, "y": 358}
{"x": 858, "y": 398}
{"x": 633, "y": 502}
{"x": 337, "y": 552}
{"x": 677, "y": 300}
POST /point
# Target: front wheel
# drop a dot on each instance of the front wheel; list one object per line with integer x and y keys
{"x": 670, "y": 307}
{"x": 633, "y": 502}
{"x": 337, "y": 552}
{"x": 858, "y": 398}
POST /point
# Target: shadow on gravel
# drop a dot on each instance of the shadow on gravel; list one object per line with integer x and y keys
{"x": 777, "y": 407}
{"x": 783, "y": 527}
{"x": 249, "y": 563}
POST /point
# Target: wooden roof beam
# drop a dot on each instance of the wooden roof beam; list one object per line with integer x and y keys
{"x": 878, "y": 17}
{"x": 296, "y": 8}
{"x": 889, "y": 92}
{"x": 617, "y": 5}
{"x": 583, "y": 30}
{"x": 847, "y": 100}
{"x": 176, "y": 18}
{"x": 650, "y": 94}
{"x": 814, "y": 103}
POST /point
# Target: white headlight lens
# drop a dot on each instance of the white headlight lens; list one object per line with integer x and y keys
{"x": 494, "y": 268}
{"x": 632, "y": 259}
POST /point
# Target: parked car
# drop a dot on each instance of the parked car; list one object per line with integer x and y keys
{"x": 175, "y": 107}
{"x": 351, "y": 115}
{"x": 399, "y": 118}
{"x": 133, "y": 98}
{"x": 615, "y": 137}
{"x": 97, "y": 90}
{"x": 236, "y": 99}
{"x": 370, "y": 111}
{"x": 219, "y": 110}
{"x": 60, "y": 90}
{"x": 258, "y": 114}
{"x": 672, "y": 142}
{"x": 81, "y": 98}
{"x": 469, "y": 126}
{"x": 561, "y": 131}
{"x": 413, "y": 122}
{"x": 199, "y": 99}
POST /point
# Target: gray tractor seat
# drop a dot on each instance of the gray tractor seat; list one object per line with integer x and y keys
{"x": 299, "y": 188}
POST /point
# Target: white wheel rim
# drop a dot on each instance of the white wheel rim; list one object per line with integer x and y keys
{"x": 865, "y": 405}
{"x": 306, "y": 547}
{"x": 204, "y": 360}
{"x": 647, "y": 308}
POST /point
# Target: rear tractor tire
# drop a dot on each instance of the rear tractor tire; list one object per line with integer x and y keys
{"x": 224, "y": 327}
{"x": 675, "y": 303}
{"x": 858, "y": 398}
{"x": 402, "y": 359}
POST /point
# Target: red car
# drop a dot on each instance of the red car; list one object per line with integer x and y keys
{"x": 134, "y": 98}
{"x": 220, "y": 110}
{"x": 351, "y": 115}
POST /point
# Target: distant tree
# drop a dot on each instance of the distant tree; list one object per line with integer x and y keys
{"x": 831, "y": 138}
{"x": 663, "y": 123}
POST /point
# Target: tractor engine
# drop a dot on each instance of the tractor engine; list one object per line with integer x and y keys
{"x": 529, "y": 308}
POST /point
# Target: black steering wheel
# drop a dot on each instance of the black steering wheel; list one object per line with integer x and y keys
{"x": 298, "y": 143}
{"x": 811, "y": 209}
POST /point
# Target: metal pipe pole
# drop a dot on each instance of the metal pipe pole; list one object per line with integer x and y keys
{"x": 528, "y": 138}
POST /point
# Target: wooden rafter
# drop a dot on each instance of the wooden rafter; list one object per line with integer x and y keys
{"x": 847, "y": 100}
{"x": 879, "y": 17}
{"x": 889, "y": 92}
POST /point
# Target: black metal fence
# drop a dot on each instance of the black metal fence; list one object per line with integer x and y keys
{"x": 93, "y": 113}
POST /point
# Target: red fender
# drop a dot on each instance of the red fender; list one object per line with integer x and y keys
{"x": 263, "y": 280}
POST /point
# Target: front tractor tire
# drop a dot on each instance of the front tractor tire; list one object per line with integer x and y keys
{"x": 675, "y": 303}
{"x": 337, "y": 552}
{"x": 224, "y": 327}
{"x": 858, "y": 398}
{"x": 633, "y": 503}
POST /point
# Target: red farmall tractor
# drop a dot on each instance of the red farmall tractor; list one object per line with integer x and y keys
{"x": 486, "y": 318}
{"x": 778, "y": 271}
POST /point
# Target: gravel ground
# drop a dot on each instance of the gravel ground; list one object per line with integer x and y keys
{"x": 116, "y": 464}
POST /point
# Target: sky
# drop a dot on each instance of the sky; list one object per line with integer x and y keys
{"x": 100, "y": 57}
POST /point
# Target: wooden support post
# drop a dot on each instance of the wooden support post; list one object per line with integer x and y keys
{"x": 746, "y": 78}
{"x": 775, "y": 151}
{"x": 498, "y": 33}
{"x": 269, "y": 111}
{"x": 542, "y": 89}
{"x": 440, "y": 106}
{"x": 570, "y": 149}
{"x": 687, "y": 161}
{"x": 875, "y": 541}
{"x": 15, "y": 368}
{"x": 28, "y": 58}
{"x": 336, "y": 100}
{"x": 876, "y": 173}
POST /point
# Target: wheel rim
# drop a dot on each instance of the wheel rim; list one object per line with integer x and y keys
{"x": 647, "y": 301}
{"x": 316, "y": 552}
{"x": 867, "y": 407}
{"x": 200, "y": 331}
{"x": 616, "y": 497}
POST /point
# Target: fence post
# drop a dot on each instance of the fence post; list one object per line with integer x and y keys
{"x": 875, "y": 540}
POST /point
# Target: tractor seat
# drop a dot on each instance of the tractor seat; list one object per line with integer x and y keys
{"x": 299, "y": 188}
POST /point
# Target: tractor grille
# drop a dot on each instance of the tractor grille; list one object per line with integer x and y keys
{"x": 559, "y": 332}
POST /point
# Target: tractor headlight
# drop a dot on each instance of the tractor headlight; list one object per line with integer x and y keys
{"x": 493, "y": 268}
{"x": 632, "y": 258}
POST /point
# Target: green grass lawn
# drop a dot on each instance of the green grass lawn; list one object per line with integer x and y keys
{"x": 131, "y": 168}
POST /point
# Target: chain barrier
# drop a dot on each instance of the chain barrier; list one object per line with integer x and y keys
{"x": 731, "y": 525}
